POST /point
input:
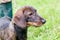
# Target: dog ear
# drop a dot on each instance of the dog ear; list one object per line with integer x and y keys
{"x": 19, "y": 19}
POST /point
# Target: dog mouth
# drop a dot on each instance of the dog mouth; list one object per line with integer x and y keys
{"x": 36, "y": 24}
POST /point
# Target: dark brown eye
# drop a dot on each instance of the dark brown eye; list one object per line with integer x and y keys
{"x": 35, "y": 10}
{"x": 31, "y": 14}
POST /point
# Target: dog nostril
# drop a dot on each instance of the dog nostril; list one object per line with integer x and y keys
{"x": 43, "y": 21}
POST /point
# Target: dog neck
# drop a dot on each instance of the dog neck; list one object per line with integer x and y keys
{"x": 11, "y": 26}
{"x": 21, "y": 34}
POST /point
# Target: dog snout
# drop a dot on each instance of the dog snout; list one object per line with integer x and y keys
{"x": 43, "y": 21}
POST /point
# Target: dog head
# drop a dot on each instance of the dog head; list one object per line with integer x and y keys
{"x": 27, "y": 16}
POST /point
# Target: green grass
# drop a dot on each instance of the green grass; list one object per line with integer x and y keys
{"x": 49, "y": 10}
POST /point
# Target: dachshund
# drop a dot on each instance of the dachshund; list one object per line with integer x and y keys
{"x": 17, "y": 28}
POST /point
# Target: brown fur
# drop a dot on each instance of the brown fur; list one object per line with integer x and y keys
{"x": 23, "y": 18}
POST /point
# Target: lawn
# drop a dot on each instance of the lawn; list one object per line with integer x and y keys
{"x": 49, "y": 10}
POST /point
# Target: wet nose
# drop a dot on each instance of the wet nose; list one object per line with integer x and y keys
{"x": 43, "y": 21}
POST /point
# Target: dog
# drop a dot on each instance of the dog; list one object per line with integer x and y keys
{"x": 16, "y": 29}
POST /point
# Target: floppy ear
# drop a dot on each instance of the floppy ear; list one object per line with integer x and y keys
{"x": 19, "y": 19}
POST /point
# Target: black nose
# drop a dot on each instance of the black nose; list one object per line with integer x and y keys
{"x": 43, "y": 21}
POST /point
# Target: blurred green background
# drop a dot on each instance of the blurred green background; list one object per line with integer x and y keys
{"x": 49, "y": 10}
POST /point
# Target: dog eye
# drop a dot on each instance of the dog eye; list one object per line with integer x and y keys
{"x": 31, "y": 14}
{"x": 35, "y": 10}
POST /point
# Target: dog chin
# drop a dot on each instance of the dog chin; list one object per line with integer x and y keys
{"x": 36, "y": 24}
